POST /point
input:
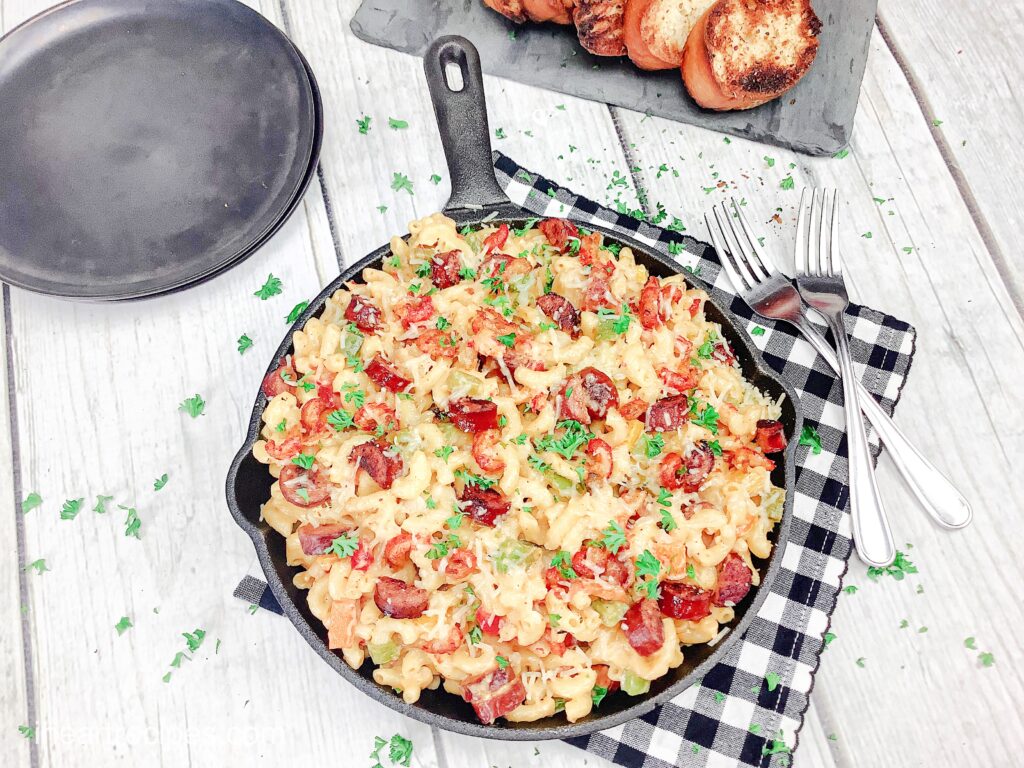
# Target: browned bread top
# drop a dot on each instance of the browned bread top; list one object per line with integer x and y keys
{"x": 599, "y": 24}
{"x": 761, "y": 47}
{"x": 667, "y": 23}
{"x": 512, "y": 9}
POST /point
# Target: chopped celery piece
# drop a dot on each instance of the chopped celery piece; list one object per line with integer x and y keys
{"x": 351, "y": 344}
{"x": 462, "y": 383}
{"x": 635, "y": 685}
{"x": 513, "y": 552}
{"x": 383, "y": 653}
{"x": 610, "y": 611}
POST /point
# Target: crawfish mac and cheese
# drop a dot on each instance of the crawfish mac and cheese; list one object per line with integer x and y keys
{"x": 513, "y": 464}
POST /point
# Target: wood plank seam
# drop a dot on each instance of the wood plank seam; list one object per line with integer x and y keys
{"x": 959, "y": 178}
{"x": 632, "y": 165}
{"x": 19, "y": 527}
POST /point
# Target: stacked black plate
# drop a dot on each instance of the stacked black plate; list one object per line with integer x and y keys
{"x": 148, "y": 145}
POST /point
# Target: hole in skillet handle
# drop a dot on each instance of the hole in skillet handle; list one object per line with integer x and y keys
{"x": 462, "y": 123}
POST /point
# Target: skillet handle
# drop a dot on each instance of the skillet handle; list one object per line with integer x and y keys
{"x": 462, "y": 122}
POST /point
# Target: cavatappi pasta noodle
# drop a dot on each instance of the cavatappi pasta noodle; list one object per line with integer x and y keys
{"x": 514, "y": 464}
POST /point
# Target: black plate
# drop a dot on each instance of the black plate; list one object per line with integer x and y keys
{"x": 476, "y": 196}
{"x": 145, "y": 144}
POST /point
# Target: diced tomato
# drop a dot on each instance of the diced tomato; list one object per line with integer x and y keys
{"x": 722, "y": 353}
{"x": 373, "y": 458}
{"x": 558, "y": 232}
{"x": 489, "y": 623}
{"x": 397, "y": 550}
{"x": 384, "y": 375}
{"x": 598, "y": 563}
{"x": 770, "y": 436}
{"x": 650, "y": 303}
{"x": 458, "y": 564}
{"x": 472, "y": 415}
{"x": 644, "y": 629}
{"x": 494, "y": 694}
{"x": 634, "y": 409}
{"x": 679, "y": 382}
{"x": 484, "y": 506}
{"x": 598, "y": 463}
{"x": 496, "y": 240}
{"x": 418, "y": 310}
{"x": 364, "y": 313}
{"x": 274, "y": 382}
{"x": 603, "y": 680}
{"x": 733, "y": 580}
{"x": 483, "y": 451}
{"x": 373, "y": 416}
{"x": 667, "y": 414}
{"x": 343, "y": 618}
{"x": 317, "y": 539}
{"x": 362, "y": 558}
{"x": 561, "y": 310}
{"x": 684, "y": 601}
{"x": 399, "y": 600}
{"x": 303, "y": 488}
{"x": 695, "y": 307}
{"x": 440, "y": 345}
{"x": 444, "y": 269}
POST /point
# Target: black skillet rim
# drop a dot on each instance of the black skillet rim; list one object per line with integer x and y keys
{"x": 274, "y": 223}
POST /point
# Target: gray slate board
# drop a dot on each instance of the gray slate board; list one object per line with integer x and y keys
{"x": 816, "y": 117}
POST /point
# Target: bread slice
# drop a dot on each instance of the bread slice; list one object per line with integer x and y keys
{"x": 666, "y": 26}
{"x": 637, "y": 49}
{"x": 743, "y": 53}
{"x": 558, "y": 11}
{"x": 512, "y": 9}
{"x": 599, "y": 24}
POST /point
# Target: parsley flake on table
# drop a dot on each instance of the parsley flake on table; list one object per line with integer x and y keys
{"x": 787, "y": 183}
{"x": 193, "y": 406}
{"x": 101, "y": 504}
{"x": 719, "y": 696}
{"x": 829, "y": 638}
{"x": 384, "y": 209}
{"x": 39, "y": 566}
{"x": 194, "y": 639}
{"x": 769, "y": 161}
{"x": 132, "y": 523}
{"x": 860, "y": 662}
{"x": 757, "y": 330}
{"x": 296, "y": 312}
{"x": 71, "y": 508}
{"x": 123, "y": 625}
{"x": 399, "y": 182}
{"x": 809, "y": 436}
{"x": 970, "y": 643}
{"x": 499, "y": 133}
{"x": 841, "y": 154}
{"x": 345, "y": 545}
{"x": 850, "y": 590}
{"x": 986, "y": 659}
{"x": 400, "y": 750}
{"x": 252, "y": 609}
{"x": 597, "y": 695}
{"x": 613, "y": 538}
{"x": 364, "y": 124}
{"x": 160, "y": 482}
{"x": 435, "y": 179}
{"x": 900, "y": 567}
{"x": 30, "y": 502}
{"x": 27, "y": 731}
{"x": 271, "y": 287}
{"x": 772, "y": 680}
{"x": 396, "y": 124}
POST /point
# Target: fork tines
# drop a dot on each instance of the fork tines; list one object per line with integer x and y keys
{"x": 819, "y": 220}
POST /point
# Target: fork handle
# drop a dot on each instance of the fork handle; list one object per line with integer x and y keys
{"x": 871, "y": 532}
{"x": 935, "y": 493}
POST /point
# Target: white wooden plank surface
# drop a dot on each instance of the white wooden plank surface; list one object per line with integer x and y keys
{"x": 119, "y": 372}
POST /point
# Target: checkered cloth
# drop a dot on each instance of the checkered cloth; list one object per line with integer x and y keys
{"x": 734, "y": 716}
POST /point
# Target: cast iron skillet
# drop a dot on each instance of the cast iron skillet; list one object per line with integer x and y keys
{"x": 462, "y": 120}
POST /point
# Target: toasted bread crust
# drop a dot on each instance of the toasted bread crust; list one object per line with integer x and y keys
{"x": 600, "y": 26}
{"x": 511, "y": 9}
{"x": 666, "y": 24}
{"x": 558, "y": 11}
{"x": 759, "y": 49}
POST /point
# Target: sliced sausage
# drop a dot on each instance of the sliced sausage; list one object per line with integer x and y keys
{"x": 274, "y": 382}
{"x": 364, "y": 313}
{"x": 561, "y": 310}
{"x": 644, "y": 629}
{"x": 494, "y": 694}
{"x": 372, "y": 458}
{"x": 399, "y": 600}
{"x": 303, "y": 488}
{"x": 384, "y": 375}
{"x": 684, "y": 601}
{"x": 484, "y": 506}
{"x": 733, "y": 580}
{"x": 472, "y": 415}
{"x": 317, "y": 539}
{"x": 667, "y": 414}
{"x": 445, "y": 268}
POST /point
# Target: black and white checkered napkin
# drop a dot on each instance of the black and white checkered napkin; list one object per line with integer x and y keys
{"x": 731, "y": 717}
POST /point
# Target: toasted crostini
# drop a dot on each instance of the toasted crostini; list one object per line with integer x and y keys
{"x": 512, "y": 9}
{"x": 743, "y": 53}
{"x": 636, "y": 47}
{"x": 558, "y": 11}
{"x": 599, "y": 24}
{"x": 667, "y": 24}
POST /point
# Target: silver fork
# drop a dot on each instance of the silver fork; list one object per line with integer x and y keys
{"x": 771, "y": 294}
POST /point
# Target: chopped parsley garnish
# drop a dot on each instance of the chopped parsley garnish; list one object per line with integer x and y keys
{"x": 344, "y": 545}
{"x": 132, "y": 522}
{"x": 271, "y": 287}
{"x": 39, "y": 566}
{"x": 364, "y": 124}
{"x": 519, "y": 439}
{"x": 618, "y": 323}
{"x": 101, "y": 504}
{"x": 987, "y": 659}
{"x": 499, "y": 133}
{"x": 431, "y": 504}
{"x": 538, "y": 463}
{"x": 850, "y": 590}
{"x": 648, "y": 567}
{"x": 455, "y": 521}
{"x": 27, "y": 731}
{"x": 435, "y": 179}
{"x": 444, "y": 452}
{"x": 707, "y": 349}
{"x": 304, "y": 460}
{"x": 296, "y": 312}
{"x": 716, "y": 447}
{"x": 501, "y": 661}
{"x": 675, "y": 248}
{"x": 809, "y": 436}
{"x": 900, "y": 567}
{"x": 969, "y": 643}
{"x": 860, "y": 662}
{"x": 399, "y": 182}
{"x": 772, "y": 681}
{"x": 829, "y": 638}
{"x": 397, "y": 125}
{"x": 475, "y": 636}
{"x": 467, "y": 273}
{"x": 442, "y": 323}
{"x": 355, "y": 396}
{"x": 527, "y": 226}
{"x": 340, "y": 419}
{"x": 613, "y": 538}
{"x": 598, "y": 694}
{"x": 508, "y": 339}
{"x": 244, "y": 343}
{"x": 193, "y": 406}
{"x": 70, "y": 509}
{"x": 573, "y": 439}
{"x": 668, "y": 523}
{"x": 708, "y": 418}
{"x": 160, "y": 482}
{"x": 691, "y": 573}
{"x": 787, "y": 183}
{"x": 653, "y": 445}
{"x": 562, "y": 561}
{"x": 30, "y": 502}
{"x": 282, "y": 425}
{"x": 123, "y": 625}
{"x": 757, "y": 330}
